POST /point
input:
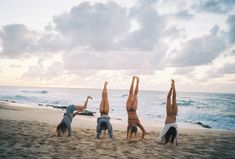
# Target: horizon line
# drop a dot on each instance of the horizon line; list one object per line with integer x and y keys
{"x": 114, "y": 89}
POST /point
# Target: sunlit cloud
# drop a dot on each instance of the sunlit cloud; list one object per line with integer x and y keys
{"x": 94, "y": 41}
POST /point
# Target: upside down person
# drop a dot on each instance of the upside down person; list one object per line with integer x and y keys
{"x": 170, "y": 132}
{"x": 131, "y": 107}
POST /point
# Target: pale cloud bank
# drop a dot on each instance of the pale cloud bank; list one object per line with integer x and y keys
{"x": 138, "y": 39}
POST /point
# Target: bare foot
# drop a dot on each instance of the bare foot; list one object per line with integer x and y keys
{"x": 89, "y": 97}
{"x": 106, "y": 83}
{"x": 137, "y": 78}
{"x": 133, "y": 78}
{"x": 172, "y": 84}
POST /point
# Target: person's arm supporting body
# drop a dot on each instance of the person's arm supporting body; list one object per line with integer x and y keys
{"x": 142, "y": 129}
{"x": 110, "y": 129}
{"x": 69, "y": 131}
{"x": 80, "y": 108}
{"x": 98, "y": 129}
{"x": 128, "y": 129}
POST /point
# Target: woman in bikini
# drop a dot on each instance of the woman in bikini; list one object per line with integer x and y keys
{"x": 131, "y": 107}
{"x": 169, "y": 131}
{"x": 103, "y": 122}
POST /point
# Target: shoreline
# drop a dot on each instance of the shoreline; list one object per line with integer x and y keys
{"x": 54, "y": 116}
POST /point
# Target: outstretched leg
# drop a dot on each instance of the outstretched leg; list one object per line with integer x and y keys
{"x": 86, "y": 102}
{"x": 104, "y": 105}
{"x": 168, "y": 102}
{"x": 174, "y": 104}
{"x": 130, "y": 97}
{"x": 135, "y": 99}
{"x": 80, "y": 108}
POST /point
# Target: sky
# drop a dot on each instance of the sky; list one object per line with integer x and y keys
{"x": 82, "y": 43}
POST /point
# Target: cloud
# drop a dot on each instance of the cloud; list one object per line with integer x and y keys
{"x": 39, "y": 71}
{"x": 174, "y": 32}
{"x": 200, "y": 51}
{"x": 184, "y": 70}
{"x": 185, "y": 15}
{"x": 231, "y": 23}
{"x": 17, "y": 40}
{"x": 110, "y": 60}
{"x": 98, "y": 26}
{"x": 15, "y": 66}
{"x": 227, "y": 69}
{"x": 148, "y": 36}
{"x": 107, "y": 26}
{"x": 233, "y": 52}
{"x": 100, "y": 36}
{"x": 216, "y": 6}
{"x": 97, "y": 35}
{"x": 106, "y": 42}
{"x": 139, "y": 72}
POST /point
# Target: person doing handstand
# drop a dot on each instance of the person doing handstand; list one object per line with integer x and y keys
{"x": 170, "y": 132}
{"x": 103, "y": 122}
{"x": 131, "y": 107}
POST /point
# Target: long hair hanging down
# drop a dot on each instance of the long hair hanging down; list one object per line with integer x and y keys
{"x": 61, "y": 128}
{"x": 170, "y": 135}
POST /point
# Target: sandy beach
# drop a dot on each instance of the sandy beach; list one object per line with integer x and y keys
{"x": 27, "y": 132}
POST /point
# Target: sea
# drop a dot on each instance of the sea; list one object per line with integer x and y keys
{"x": 216, "y": 110}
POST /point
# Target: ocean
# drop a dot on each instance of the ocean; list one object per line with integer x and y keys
{"x": 216, "y": 110}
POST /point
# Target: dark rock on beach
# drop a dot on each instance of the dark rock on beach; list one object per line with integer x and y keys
{"x": 203, "y": 125}
{"x": 86, "y": 112}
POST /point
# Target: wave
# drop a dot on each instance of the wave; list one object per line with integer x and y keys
{"x": 37, "y": 92}
{"x": 230, "y": 116}
{"x": 194, "y": 107}
{"x": 212, "y": 120}
{"x": 185, "y": 102}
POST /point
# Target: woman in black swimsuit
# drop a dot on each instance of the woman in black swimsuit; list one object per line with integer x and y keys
{"x": 131, "y": 107}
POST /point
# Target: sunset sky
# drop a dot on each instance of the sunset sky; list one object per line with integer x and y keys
{"x": 78, "y": 43}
